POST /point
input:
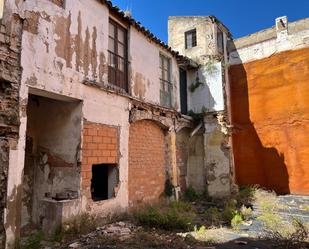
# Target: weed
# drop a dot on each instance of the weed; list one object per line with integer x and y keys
{"x": 271, "y": 221}
{"x": 237, "y": 220}
{"x": 296, "y": 236}
{"x": 213, "y": 216}
{"x": 205, "y": 195}
{"x": 77, "y": 226}
{"x": 34, "y": 241}
{"x": 246, "y": 212}
{"x": 246, "y": 195}
{"x": 190, "y": 194}
{"x": 266, "y": 200}
{"x": 229, "y": 210}
{"x": 163, "y": 218}
{"x": 181, "y": 206}
{"x": 169, "y": 188}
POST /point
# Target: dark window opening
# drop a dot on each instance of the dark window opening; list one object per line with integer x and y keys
{"x": 105, "y": 179}
{"x": 183, "y": 91}
{"x": 117, "y": 56}
{"x": 220, "y": 41}
{"x": 190, "y": 38}
{"x": 166, "y": 87}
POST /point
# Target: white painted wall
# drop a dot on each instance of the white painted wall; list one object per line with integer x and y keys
{"x": 210, "y": 94}
{"x": 267, "y": 48}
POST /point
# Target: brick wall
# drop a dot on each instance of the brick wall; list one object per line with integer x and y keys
{"x": 146, "y": 162}
{"x": 100, "y": 145}
{"x": 10, "y": 74}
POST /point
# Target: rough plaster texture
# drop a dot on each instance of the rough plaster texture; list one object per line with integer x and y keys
{"x": 52, "y": 154}
{"x": 269, "y": 42}
{"x": 190, "y": 160}
{"x": 205, "y": 33}
{"x": 209, "y": 95}
{"x": 214, "y": 168}
{"x": 217, "y": 156}
{"x": 61, "y": 49}
{"x": 270, "y": 147}
{"x": 10, "y": 73}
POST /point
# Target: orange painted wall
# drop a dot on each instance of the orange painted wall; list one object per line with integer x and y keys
{"x": 270, "y": 115}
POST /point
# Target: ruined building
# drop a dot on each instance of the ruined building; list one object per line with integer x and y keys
{"x": 99, "y": 116}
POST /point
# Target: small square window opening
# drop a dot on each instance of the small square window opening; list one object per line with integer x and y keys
{"x": 190, "y": 39}
{"x": 105, "y": 179}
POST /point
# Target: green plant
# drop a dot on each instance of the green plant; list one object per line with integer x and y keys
{"x": 195, "y": 85}
{"x": 34, "y": 241}
{"x": 163, "y": 218}
{"x": 270, "y": 220}
{"x": 294, "y": 236}
{"x": 169, "y": 188}
{"x": 181, "y": 206}
{"x": 266, "y": 200}
{"x": 77, "y": 226}
{"x": 190, "y": 194}
{"x": 229, "y": 210}
{"x": 245, "y": 195}
{"x": 246, "y": 212}
{"x": 210, "y": 67}
{"x": 205, "y": 194}
{"x": 236, "y": 220}
{"x": 213, "y": 216}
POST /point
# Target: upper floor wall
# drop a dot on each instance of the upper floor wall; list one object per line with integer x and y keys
{"x": 203, "y": 39}
{"x": 67, "y": 43}
{"x": 197, "y": 36}
{"x": 281, "y": 37}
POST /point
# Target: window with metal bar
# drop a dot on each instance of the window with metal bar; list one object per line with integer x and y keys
{"x": 220, "y": 41}
{"x": 190, "y": 38}
{"x": 166, "y": 88}
{"x": 117, "y": 56}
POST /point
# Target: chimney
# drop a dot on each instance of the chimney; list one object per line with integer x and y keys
{"x": 282, "y": 27}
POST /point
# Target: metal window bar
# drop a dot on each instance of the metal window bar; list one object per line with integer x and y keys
{"x": 117, "y": 71}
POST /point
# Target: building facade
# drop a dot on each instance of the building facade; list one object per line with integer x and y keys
{"x": 98, "y": 115}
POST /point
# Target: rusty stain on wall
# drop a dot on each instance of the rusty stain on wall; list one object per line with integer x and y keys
{"x": 139, "y": 88}
{"x": 85, "y": 50}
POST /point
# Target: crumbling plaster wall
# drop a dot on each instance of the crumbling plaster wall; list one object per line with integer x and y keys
{"x": 145, "y": 81}
{"x": 109, "y": 109}
{"x": 52, "y": 154}
{"x": 190, "y": 160}
{"x": 207, "y": 94}
{"x": 10, "y": 73}
{"x": 62, "y": 48}
{"x": 268, "y": 42}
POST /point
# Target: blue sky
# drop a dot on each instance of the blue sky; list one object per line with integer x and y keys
{"x": 242, "y": 17}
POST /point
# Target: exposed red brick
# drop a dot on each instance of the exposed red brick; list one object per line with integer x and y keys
{"x": 97, "y": 149}
{"x": 146, "y": 162}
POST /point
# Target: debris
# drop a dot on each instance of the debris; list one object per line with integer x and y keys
{"x": 75, "y": 245}
{"x": 240, "y": 242}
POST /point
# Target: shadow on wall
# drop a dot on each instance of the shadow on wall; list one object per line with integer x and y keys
{"x": 254, "y": 163}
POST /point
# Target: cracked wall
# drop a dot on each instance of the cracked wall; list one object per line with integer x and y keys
{"x": 10, "y": 74}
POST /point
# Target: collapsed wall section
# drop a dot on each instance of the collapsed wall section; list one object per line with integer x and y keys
{"x": 10, "y": 74}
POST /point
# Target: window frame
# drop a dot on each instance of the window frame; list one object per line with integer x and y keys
{"x": 220, "y": 43}
{"x": 194, "y": 38}
{"x": 166, "y": 96}
{"x": 120, "y": 79}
